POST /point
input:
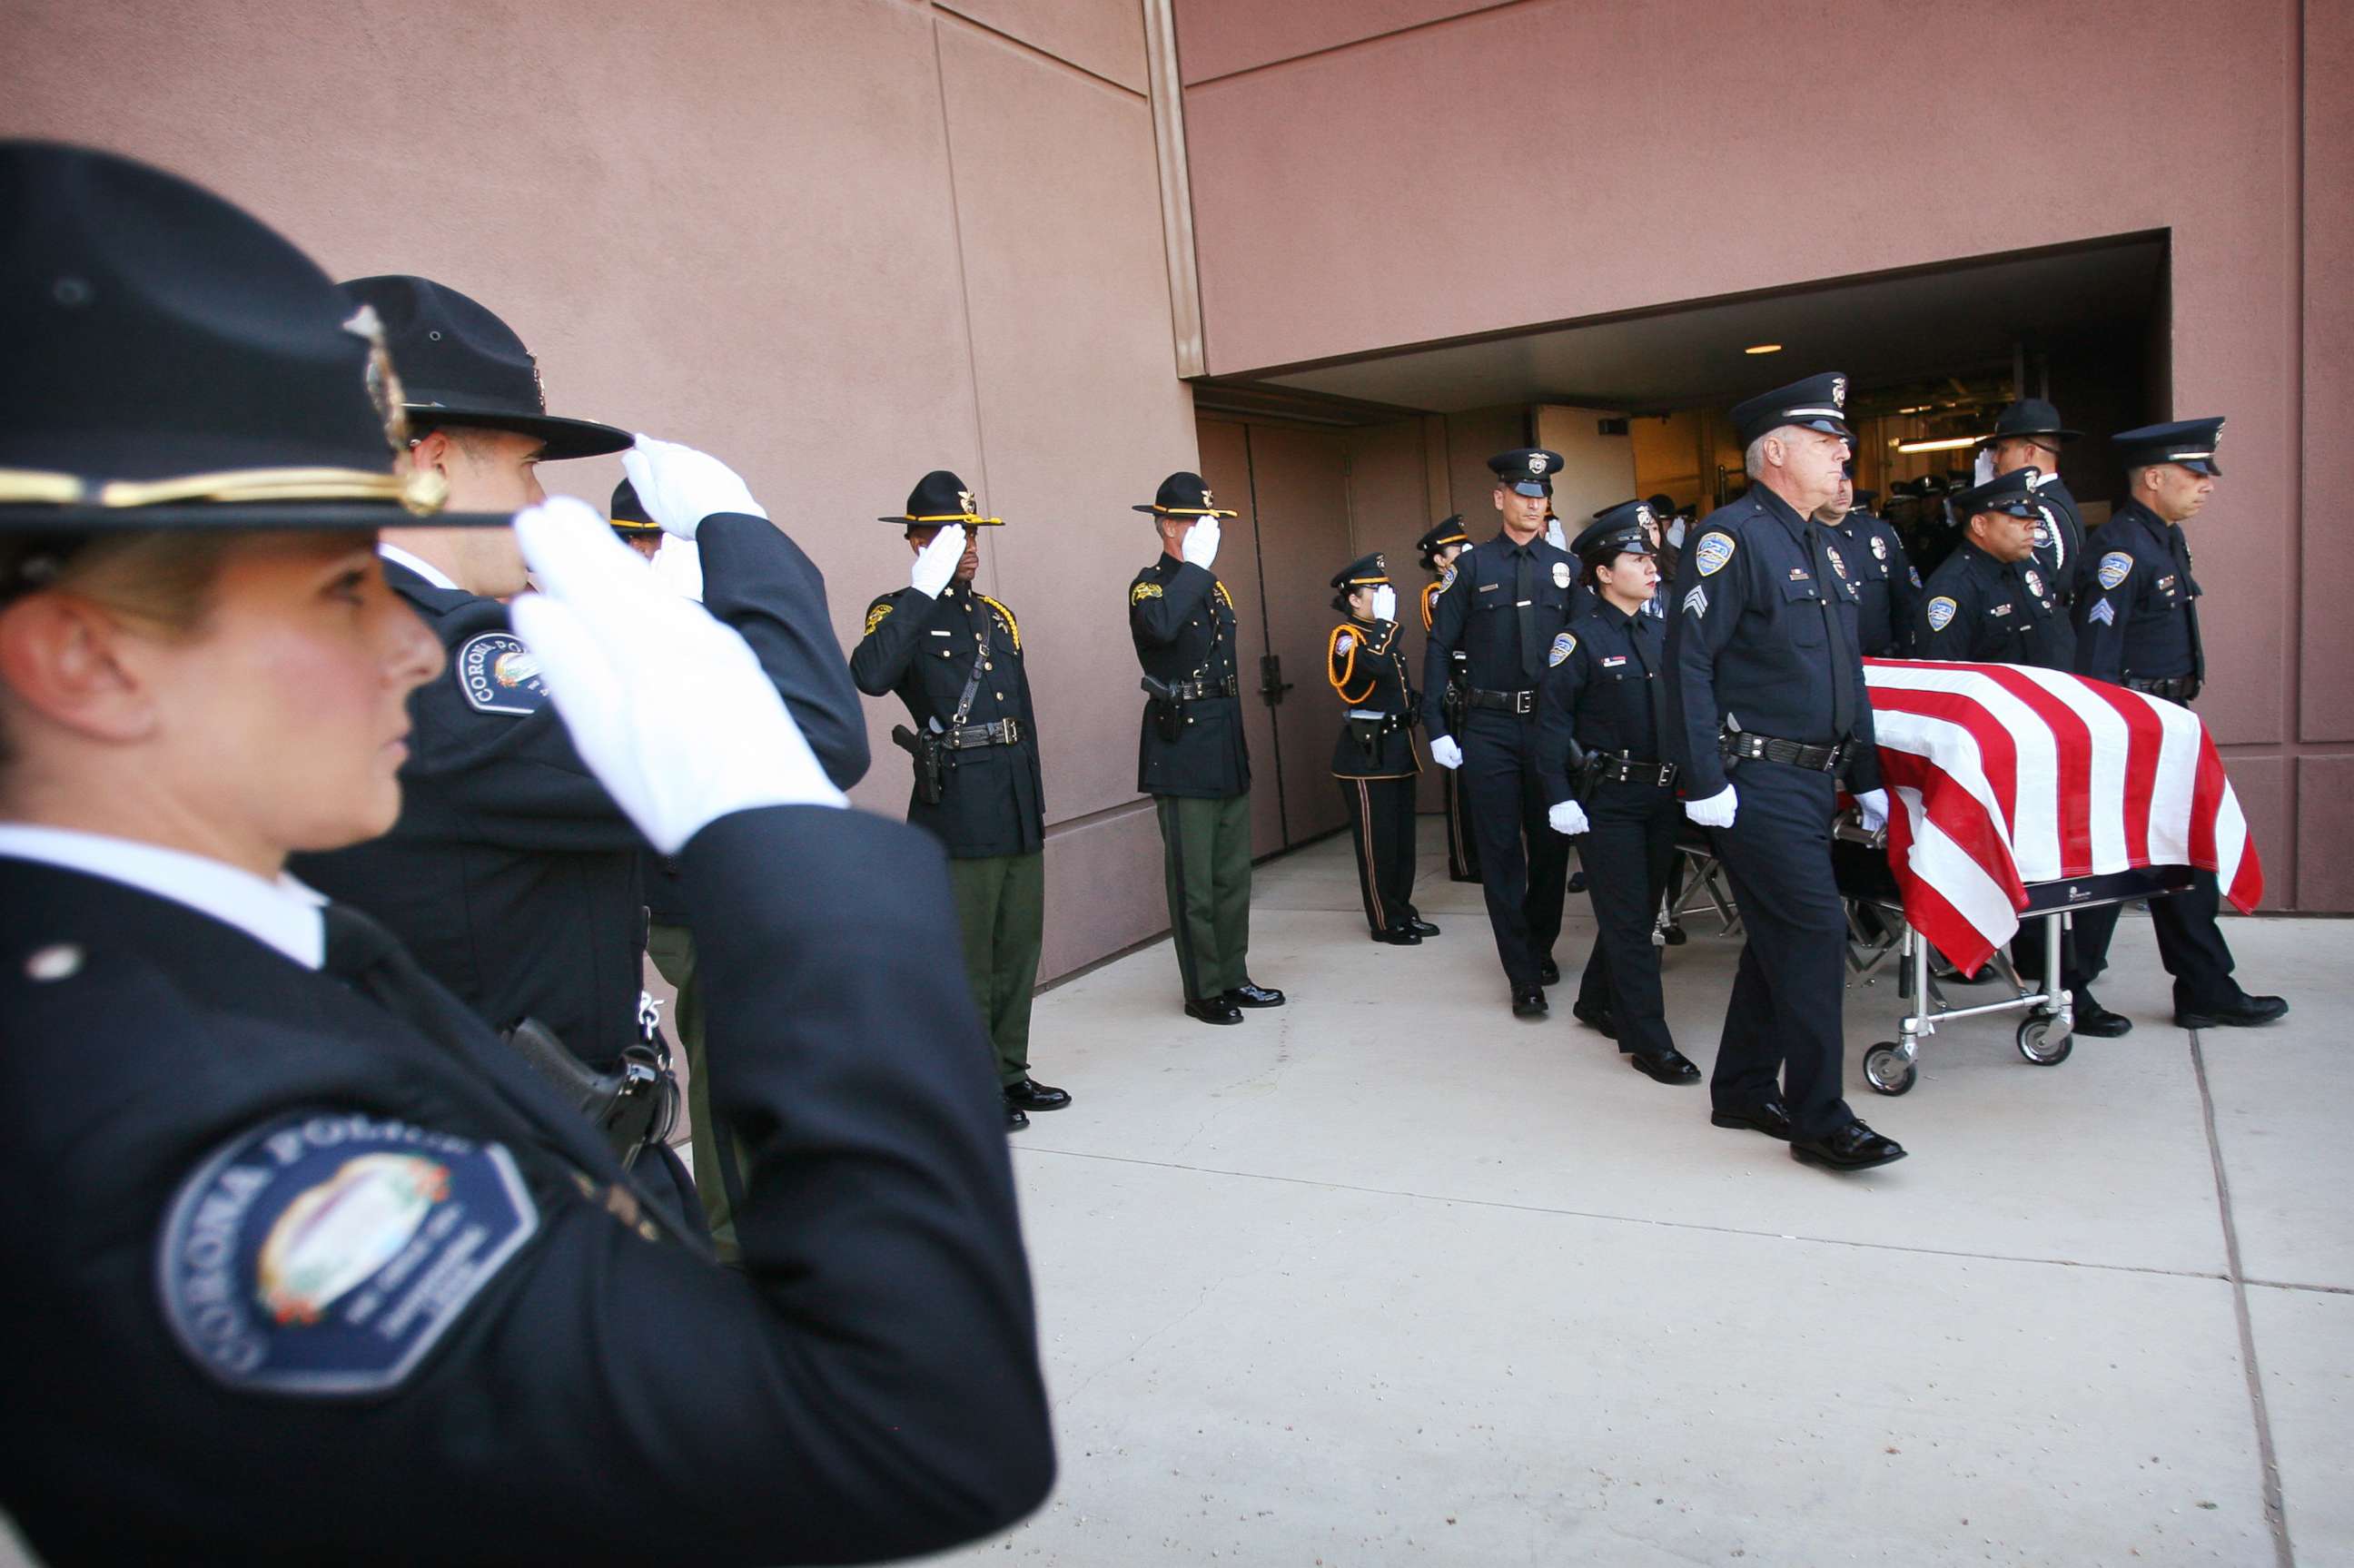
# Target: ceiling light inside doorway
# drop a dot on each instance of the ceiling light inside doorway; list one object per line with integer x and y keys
{"x": 1763, "y": 348}
{"x": 1954, "y": 445}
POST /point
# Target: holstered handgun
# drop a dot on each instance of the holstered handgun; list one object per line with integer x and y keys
{"x": 1367, "y": 733}
{"x": 926, "y": 750}
{"x": 634, "y": 1103}
{"x": 1586, "y": 774}
{"x": 1168, "y": 711}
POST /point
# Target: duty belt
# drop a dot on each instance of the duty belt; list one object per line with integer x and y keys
{"x": 1797, "y": 753}
{"x": 2174, "y": 688}
{"x": 964, "y": 737}
{"x": 1618, "y": 768}
{"x": 1195, "y": 690}
{"x": 1510, "y": 701}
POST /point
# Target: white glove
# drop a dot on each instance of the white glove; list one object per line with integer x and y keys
{"x": 1553, "y": 534}
{"x": 1386, "y": 603}
{"x": 680, "y": 486}
{"x": 1201, "y": 546}
{"x": 1873, "y": 804}
{"x": 936, "y": 562}
{"x": 1568, "y": 819}
{"x": 1675, "y": 534}
{"x": 1716, "y": 811}
{"x": 1443, "y": 749}
{"x": 667, "y": 707}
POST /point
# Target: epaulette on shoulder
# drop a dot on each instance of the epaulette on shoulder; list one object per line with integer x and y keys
{"x": 875, "y": 614}
{"x": 1013, "y": 627}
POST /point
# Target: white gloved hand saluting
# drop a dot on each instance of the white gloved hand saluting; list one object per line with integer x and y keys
{"x": 1443, "y": 750}
{"x": 1386, "y": 603}
{"x": 667, "y": 707}
{"x": 1872, "y": 806}
{"x": 1716, "y": 811}
{"x": 680, "y": 486}
{"x": 1201, "y": 546}
{"x": 936, "y": 562}
{"x": 1568, "y": 819}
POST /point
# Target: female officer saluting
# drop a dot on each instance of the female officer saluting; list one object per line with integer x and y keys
{"x": 1374, "y": 759}
{"x": 1601, "y": 725}
{"x": 317, "y": 1268}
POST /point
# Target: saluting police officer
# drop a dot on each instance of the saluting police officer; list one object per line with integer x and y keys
{"x": 1510, "y": 595}
{"x": 1193, "y": 758}
{"x": 2029, "y": 434}
{"x": 1441, "y": 545}
{"x": 1989, "y": 603}
{"x": 1885, "y": 585}
{"x": 954, "y": 655}
{"x": 1601, "y": 738}
{"x": 2138, "y": 624}
{"x": 1374, "y": 758}
{"x": 1771, "y": 713}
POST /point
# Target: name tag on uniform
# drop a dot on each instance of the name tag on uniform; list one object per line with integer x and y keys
{"x": 1798, "y": 574}
{"x": 939, "y": 633}
{"x": 1613, "y": 660}
{"x": 2000, "y": 610}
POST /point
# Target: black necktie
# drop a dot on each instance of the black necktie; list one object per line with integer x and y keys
{"x": 2180, "y": 547}
{"x": 1842, "y": 662}
{"x": 1525, "y": 592}
{"x": 1639, "y": 632}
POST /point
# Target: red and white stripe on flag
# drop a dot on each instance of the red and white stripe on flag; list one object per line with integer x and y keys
{"x": 2002, "y": 775}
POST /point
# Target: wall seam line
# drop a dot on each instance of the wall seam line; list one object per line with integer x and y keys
{"x": 1032, "y": 50}
{"x": 1360, "y": 43}
{"x": 964, "y": 283}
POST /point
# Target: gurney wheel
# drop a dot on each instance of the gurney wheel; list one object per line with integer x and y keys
{"x": 1886, "y": 1070}
{"x": 2032, "y": 1036}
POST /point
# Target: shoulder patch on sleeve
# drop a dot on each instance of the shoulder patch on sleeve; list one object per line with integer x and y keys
{"x": 328, "y": 1253}
{"x": 1915, "y": 573}
{"x": 1564, "y": 646}
{"x": 498, "y": 674}
{"x": 875, "y": 616}
{"x": 2115, "y": 567}
{"x": 1143, "y": 590}
{"x": 1941, "y": 612}
{"x": 1714, "y": 550}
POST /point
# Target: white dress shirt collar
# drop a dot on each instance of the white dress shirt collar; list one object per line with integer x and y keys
{"x": 417, "y": 563}
{"x": 283, "y": 913}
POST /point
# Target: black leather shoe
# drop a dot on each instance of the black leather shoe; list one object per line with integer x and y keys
{"x": 2237, "y": 1013}
{"x": 1403, "y": 937}
{"x": 1577, "y": 881}
{"x": 1029, "y": 1094}
{"x": 1214, "y": 1010}
{"x": 1854, "y": 1147}
{"x": 1673, "y": 1067}
{"x": 1529, "y": 1003}
{"x": 1249, "y": 994}
{"x": 1420, "y": 926}
{"x": 1673, "y": 935}
{"x": 2094, "y": 1019}
{"x": 1014, "y": 1119}
{"x": 1595, "y": 1018}
{"x": 1768, "y": 1116}
{"x": 1548, "y": 972}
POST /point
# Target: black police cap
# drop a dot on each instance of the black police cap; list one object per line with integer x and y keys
{"x": 2189, "y": 442}
{"x": 2012, "y": 492}
{"x": 1864, "y": 498}
{"x": 628, "y": 513}
{"x": 939, "y": 499}
{"x": 461, "y": 365}
{"x": 1528, "y": 471}
{"x": 2029, "y": 417}
{"x": 1817, "y": 403}
{"x": 1183, "y": 495}
{"x": 1447, "y": 531}
{"x": 168, "y": 361}
{"x": 1365, "y": 571}
{"x": 1615, "y": 531}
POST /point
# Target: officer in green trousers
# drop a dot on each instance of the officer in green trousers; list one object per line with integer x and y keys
{"x": 1191, "y": 757}
{"x": 954, "y": 656}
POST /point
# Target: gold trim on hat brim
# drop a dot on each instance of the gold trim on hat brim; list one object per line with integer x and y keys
{"x": 969, "y": 519}
{"x": 422, "y": 493}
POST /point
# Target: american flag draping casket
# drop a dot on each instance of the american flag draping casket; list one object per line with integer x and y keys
{"x": 2001, "y": 776}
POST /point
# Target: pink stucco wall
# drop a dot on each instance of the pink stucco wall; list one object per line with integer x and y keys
{"x": 1434, "y": 170}
{"x": 812, "y": 236}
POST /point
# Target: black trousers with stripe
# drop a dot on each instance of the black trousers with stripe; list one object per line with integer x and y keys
{"x": 1381, "y": 826}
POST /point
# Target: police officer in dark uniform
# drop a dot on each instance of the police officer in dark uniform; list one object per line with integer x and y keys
{"x": 1770, "y": 712}
{"x": 631, "y": 524}
{"x": 2138, "y": 624}
{"x": 1374, "y": 758}
{"x": 1601, "y": 739}
{"x": 512, "y": 874}
{"x": 1990, "y": 603}
{"x": 1508, "y": 597}
{"x": 318, "y": 1271}
{"x": 2029, "y": 434}
{"x": 1193, "y": 758}
{"x": 954, "y": 655}
{"x": 1441, "y": 545}
{"x": 1886, "y": 586}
